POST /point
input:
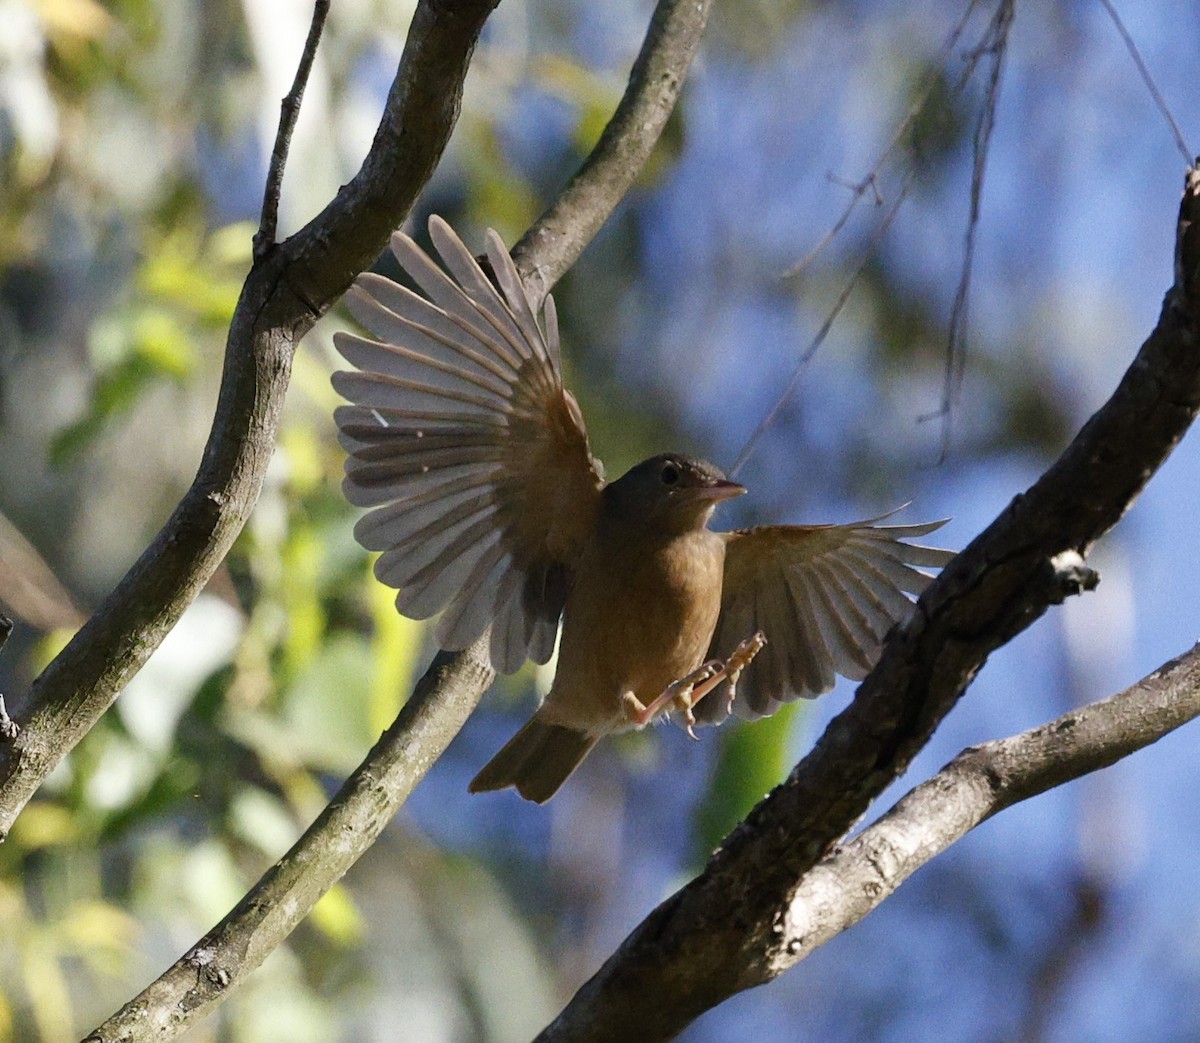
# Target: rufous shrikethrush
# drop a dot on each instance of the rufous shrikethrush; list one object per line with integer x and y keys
{"x": 488, "y": 506}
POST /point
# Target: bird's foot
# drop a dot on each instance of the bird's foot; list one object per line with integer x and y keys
{"x": 738, "y": 660}
{"x": 679, "y": 694}
{"x": 685, "y": 693}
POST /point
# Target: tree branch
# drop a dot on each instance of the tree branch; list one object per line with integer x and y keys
{"x": 722, "y": 933}
{"x": 286, "y": 291}
{"x": 556, "y": 239}
{"x": 981, "y": 781}
{"x": 270, "y": 911}
{"x": 289, "y": 112}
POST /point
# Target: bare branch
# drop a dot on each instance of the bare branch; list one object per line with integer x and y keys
{"x": 223, "y": 958}
{"x": 557, "y": 238}
{"x": 721, "y": 933}
{"x": 843, "y": 887}
{"x": 286, "y": 291}
{"x": 289, "y": 112}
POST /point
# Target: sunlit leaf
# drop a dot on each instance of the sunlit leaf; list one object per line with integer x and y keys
{"x": 337, "y": 915}
{"x": 46, "y": 989}
{"x": 91, "y": 926}
{"x": 395, "y": 646}
{"x": 161, "y": 340}
{"x": 6, "y": 1016}
{"x": 263, "y": 821}
{"x": 302, "y": 556}
{"x": 43, "y": 824}
{"x": 754, "y": 759}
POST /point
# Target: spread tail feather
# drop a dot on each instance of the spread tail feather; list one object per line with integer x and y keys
{"x": 537, "y": 760}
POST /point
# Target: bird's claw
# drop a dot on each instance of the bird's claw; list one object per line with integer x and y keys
{"x": 685, "y": 693}
{"x": 738, "y": 660}
{"x": 731, "y": 669}
{"x": 678, "y": 694}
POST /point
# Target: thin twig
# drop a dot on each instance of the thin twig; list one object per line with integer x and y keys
{"x": 885, "y": 222}
{"x": 995, "y": 45}
{"x": 871, "y": 181}
{"x": 9, "y": 729}
{"x": 289, "y": 112}
{"x": 557, "y": 238}
{"x": 868, "y": 256}
{"x": 1148, "y": 80}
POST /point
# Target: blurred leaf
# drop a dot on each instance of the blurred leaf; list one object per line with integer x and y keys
{"x": 71, "y": 22}
{"x": 595, "y": 96}
{"x": 209, "y": 879}
{"x": 6, "y": 1017}
{"x": 302, "y": 556}
{"x": 326, "y": 709}
{"x": 322, "y": 721}
{"x": 754, "y": 759}
{"x": 395, "y": 646}
{"x": 200, "y": 278}
{"x": 43, "y": 824}
{"x": 46, "y": 988}
{"x": 337, "y": 915}
{"x": 97, "y": 930}
{"x": 500, "y": 197}
{"x": 177, "y": 780}
{"x": 263, "y": 821}
{"x": 161, "y": 340}
{"x": 302, "y": 448}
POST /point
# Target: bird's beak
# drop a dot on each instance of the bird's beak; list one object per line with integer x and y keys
{"x": 720, "y": 489}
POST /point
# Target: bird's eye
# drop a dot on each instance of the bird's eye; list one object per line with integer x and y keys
{"x": 669, "y": 474}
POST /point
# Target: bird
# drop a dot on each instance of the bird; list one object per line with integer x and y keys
{"x": 487, "y": 505}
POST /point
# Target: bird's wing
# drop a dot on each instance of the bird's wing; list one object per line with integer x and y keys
{"x": 824, "y": 595}
{"x": 472, "y": 455}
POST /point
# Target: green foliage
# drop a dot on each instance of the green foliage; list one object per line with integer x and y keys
{"x": 753, "y": 760}
{"x": 185, "y": 289}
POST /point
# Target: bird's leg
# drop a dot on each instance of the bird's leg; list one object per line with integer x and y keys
{"x": 679, "y": 692}
{"x": 729, "y": 672}
{"x": 688, "y": 691}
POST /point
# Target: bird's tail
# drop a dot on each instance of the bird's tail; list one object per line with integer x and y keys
{"x": 537, "y": 760}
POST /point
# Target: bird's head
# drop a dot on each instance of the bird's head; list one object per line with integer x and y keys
{"x": 670, "y": 492}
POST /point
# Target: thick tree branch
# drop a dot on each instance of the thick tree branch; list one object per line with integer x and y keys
{"x": 723, "y": 932}
{"x": 557, "y": 238}
{"x": 288, "y": 288}
{"x": 846, "y": 885}
{"x": 223, "y": 958}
